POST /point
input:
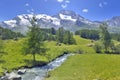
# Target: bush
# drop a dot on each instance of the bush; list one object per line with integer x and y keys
{"x": 98, "y": 47}
{"x": 117, "y": 49}
{"x": 80, "y": 51}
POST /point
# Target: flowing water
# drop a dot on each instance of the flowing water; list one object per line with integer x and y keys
{"x": 39, "y": 73}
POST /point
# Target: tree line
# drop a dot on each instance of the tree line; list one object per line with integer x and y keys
{"x": 9, "y": 34}
{"x": 88, "y": 34}
{"x": 105, "y": 39}
{"x": 61, "y": 35}
{"x": 95, "y": 34}
{"x": 106, "y": 42}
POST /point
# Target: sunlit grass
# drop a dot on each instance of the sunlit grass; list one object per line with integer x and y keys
{"x": 15, "y": 58}
{"x": 88, "y": 67}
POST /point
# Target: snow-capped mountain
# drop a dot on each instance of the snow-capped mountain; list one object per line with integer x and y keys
{"x": 21, "y": 22}
{"x": 114, "y": 22}
{"x": 72, "y": 16}
{"x": 67, "y": 19}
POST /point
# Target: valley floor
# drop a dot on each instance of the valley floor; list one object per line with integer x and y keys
{"x": 85, "y": 66}
{"x": 14, "y": 57}
{"x": 88, "y": 67}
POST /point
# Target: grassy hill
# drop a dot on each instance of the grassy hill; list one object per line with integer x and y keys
{"x": 14, "y": 58}
{"x": 88, "y": 66}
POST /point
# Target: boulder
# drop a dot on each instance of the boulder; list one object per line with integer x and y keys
{"x": 11, "y": 78}
{"x": 4, "y": 78}
{"x": 14, "y": 76}
{"x": 21, "y": 71}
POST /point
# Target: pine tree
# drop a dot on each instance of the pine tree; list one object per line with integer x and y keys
{"x": 53, "y": 31}
{"x": 105, "y": 36}
{"x": 35, "y": 41}
{"x": 60, "y": 34}
{"x": 68, "y": 38}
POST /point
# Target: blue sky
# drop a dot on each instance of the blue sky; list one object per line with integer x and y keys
{"x": 91, "y": 9}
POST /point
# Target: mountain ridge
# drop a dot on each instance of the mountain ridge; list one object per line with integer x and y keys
{"x": 65, "y": 18}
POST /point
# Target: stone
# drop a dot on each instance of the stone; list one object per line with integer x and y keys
{"x": 4, "y": 78}
{"x": 21, "y": 71}
{"x": 14, "y": 76}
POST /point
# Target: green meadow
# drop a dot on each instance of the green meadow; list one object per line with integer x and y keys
{"x": 87, "y": 65}
{"x": 14, "y": 58}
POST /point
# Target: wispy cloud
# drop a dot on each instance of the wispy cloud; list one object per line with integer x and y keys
{"x": 102, "y": 4}
{"x": 60, "y": 1}
{"x": 26, "y": 4}
{"x": 85, "y": 10}
{"x": 64, "y": 3}
{"x": 31, "y": 11}
{"x": 105, "y": 3}
{"x": 67, "y": 1}
{"x": 64, "y": 6}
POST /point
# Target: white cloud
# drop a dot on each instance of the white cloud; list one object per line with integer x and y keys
{"x": 105, "y": 3}
{"x": 85, "y": 10}
{"x": 60, "y": 1}
{"x": 67, "y": 1}
{"x": 64, "y": 6}
{"x": 102, "y": 4}
{"x": 64, "y": 3}
{"x": 26, "y": 4}
{"x": 31, "y": 11}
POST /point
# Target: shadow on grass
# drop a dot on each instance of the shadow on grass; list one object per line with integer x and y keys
{"x": 31, "y": 63}
{"x": 1, "y": 54}
{"x": 2, "y": 61}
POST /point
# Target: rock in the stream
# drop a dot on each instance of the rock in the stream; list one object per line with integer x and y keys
{"x": 11, "y": 76}
{"x": 14, "y": 76}
{"x": 21, "y": 71}
{"x": 4, "y": 78}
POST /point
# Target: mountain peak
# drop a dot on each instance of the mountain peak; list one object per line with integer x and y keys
{"x": 66, "y": 18}
{"x": 114, "y": 21}
{"x": 67, "y": 12}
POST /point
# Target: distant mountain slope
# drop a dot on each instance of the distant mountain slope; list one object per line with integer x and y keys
{"x": 65, "y": 18}
{"x": 114, "y": 22}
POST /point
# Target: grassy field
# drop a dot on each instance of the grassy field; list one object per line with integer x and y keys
{"x": 88, "y": 66}
{"x": 15, "y": 59}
